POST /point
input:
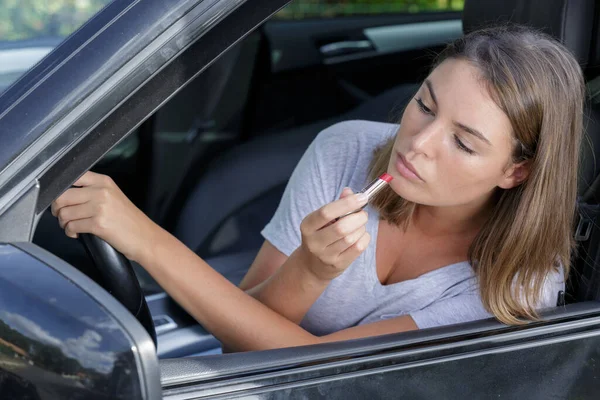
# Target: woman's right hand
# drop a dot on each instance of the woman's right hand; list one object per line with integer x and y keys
{"x": 96, "y": 205}
{"x": 330, "y": 246}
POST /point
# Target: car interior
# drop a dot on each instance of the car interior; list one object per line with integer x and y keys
{"x": 211, "y": 165}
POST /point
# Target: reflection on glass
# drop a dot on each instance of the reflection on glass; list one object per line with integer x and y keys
{"x": 55, "y": 340}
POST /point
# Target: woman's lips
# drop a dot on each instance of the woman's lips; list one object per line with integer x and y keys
{"x": 406, "y": 169}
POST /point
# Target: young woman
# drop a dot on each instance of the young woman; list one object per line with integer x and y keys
{"x": 477, "y": 220}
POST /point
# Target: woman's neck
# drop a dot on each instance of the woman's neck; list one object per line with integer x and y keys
{"x": 450, "y": 221}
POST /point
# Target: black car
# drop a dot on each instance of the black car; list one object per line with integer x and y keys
{"x": 199, "y": 110}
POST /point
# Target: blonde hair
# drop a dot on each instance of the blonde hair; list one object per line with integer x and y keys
{"x": 539, "y": 85}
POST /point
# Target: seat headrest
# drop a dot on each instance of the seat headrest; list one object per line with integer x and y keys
{"x": 570, "y": 21}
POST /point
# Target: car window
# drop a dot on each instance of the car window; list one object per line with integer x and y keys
{"x": 300, "y": 9}
{"x": 30, "y": 29}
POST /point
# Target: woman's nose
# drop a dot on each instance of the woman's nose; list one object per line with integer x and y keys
{"x": 427, "y": 139}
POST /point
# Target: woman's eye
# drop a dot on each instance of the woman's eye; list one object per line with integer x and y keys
{"x": 462, "y": 146}
{"x": 423, "y": 107}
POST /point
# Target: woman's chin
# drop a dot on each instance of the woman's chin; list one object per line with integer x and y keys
{"x": 404, "y": 190}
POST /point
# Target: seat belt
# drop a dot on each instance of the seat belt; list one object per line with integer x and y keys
{"x": 585, "y": 282}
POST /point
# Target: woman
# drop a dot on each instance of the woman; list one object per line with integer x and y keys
{"x": 476, "y": 222}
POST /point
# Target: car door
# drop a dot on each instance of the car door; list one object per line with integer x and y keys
{"x": 325, "y": 58}
{"x": 477, "y": 360}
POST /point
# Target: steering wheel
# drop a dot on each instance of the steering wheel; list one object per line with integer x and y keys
{"x": 119, "y": 279}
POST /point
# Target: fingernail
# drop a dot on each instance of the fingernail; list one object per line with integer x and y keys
{"x": 362, "y": 198}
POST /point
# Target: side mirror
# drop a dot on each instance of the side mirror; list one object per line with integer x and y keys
{"x": 63, "y": 336}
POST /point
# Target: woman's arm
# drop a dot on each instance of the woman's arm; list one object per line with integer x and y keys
{"x": 281, "y": 283}
{"x": 290, "y": 290}
{"x": 265, "y": 264}
{"x": 239, "y": 321}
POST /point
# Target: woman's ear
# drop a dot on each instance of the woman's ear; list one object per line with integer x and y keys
{"x": 516, "y": 174}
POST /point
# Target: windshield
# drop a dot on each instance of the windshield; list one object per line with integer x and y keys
{"x": 30, "y": 29}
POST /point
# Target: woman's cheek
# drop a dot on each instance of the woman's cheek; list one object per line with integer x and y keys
{"x": 469, "y": 180}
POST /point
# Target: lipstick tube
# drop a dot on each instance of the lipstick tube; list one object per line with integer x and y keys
{"x": 371, "y": 190}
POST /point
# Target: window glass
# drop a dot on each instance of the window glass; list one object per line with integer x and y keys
{"x": 30, "y": 29}
{"x": 300, "y": 9}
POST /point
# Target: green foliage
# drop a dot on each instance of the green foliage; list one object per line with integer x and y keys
{"x": 26, "y": 19}
{"x": 299, "y": 9}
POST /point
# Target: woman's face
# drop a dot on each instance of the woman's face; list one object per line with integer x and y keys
{"x": 454, "y": 144}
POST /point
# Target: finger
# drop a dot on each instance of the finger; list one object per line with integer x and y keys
{"x": 91, "y": 179}
{"x": 346, "y": 242}
{"x": 352, "y": 252}
{"x": 72, "y": 213}
{"x": 340, "y": 228}
{"x": 70, "y": 197}
{"x": 346, "y": 192}
{"x": 74, "y": 228}
{"x": 331, "y": 211}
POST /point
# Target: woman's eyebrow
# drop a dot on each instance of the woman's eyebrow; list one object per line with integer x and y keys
{"x": 472, "y": 131}
{"x": 431, "y": 92}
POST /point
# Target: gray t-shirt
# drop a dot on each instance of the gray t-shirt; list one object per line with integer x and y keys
{"x": 340, "y": 157}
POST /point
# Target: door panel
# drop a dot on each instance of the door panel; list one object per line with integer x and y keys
{"x": 295, "y": 44}
{"x": 563, "y": 370}
{"x": 320, "y": 68}
{"x": 418, "y": 36}
{"x": 475, "y": 360}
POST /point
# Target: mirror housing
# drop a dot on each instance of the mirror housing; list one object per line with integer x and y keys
{"x": 63, "y": 336}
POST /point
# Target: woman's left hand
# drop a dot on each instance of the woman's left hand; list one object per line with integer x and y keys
{"x": 97, "y": 206}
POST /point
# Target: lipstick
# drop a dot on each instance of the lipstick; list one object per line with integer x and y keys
{"x": 371, "y": 190}
{"x": 375, "y": 187}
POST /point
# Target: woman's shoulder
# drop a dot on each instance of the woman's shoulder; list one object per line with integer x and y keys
{"x": 345, "y": 149}
{"x": 355, "y": 133}
{"x": 554, "y": 283}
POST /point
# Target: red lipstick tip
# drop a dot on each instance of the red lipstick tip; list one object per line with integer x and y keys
{"x": 386, "y": 177}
